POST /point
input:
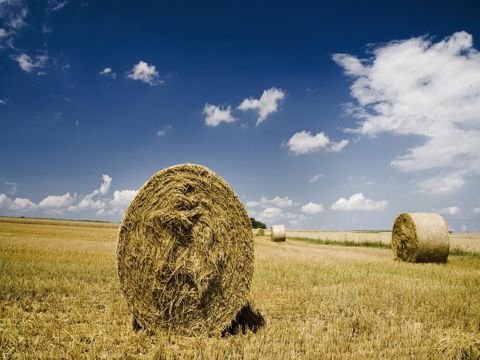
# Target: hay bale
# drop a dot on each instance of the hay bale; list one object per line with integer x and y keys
{"x": 278, "y": 233}
{"x": 420, "y": 237}
{"x": 185, "y": 252}
{"x": 261, "y": 232}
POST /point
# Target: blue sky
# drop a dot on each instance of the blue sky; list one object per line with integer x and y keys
{"x": 321, "y": 116}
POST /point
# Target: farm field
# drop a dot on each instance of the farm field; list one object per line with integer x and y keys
{"x": 460, "y": 242}
{"x": 60, "y": 298}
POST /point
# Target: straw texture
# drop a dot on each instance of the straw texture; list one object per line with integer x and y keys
{"x": 278, "y": 233}
{"x": 185, "y": 252}
{"x": 420, "y": 237}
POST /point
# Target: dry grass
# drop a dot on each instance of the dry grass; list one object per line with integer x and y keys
{"x": 60, "y": 298}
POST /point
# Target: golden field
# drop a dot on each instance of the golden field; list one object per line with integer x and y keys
{"x": 60, "y": 298}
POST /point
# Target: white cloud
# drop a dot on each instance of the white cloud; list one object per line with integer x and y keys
{"x": 164, "y": 130}
{"x": 253, "y": 203}
{"x": 266, "y": 105}
{"x": 358, "y": 202}
{"x": 57, "y": 204}
{"x": 476, "y": 210}
{"x": 22, "y": 204}
{"x": 107, "y": 181}
{"x": 121, "y": 199}
{"x": 418, "y": 87}
{"x": 315, "y": 178}
{"x": 55, "y": 5}
{"x": 27, "y": 64}
{"x": 443, "y": 184}
{"x": 270, "y": 213}
{"x": 108, "y": 72}
{"x": 17, "y": 18}
{"x": 57, "y": 201}
{"x": 12, "y": 16}
{"x": 88, "y": 201}
{"x": 337, "y": 146}
{"x": 215, "y": 115}
{"x": 4, "y": 201}
{"x": 145, "y": 73}
{"x": 3, "y": 36}
{"x": 304, "y": 142}
{"x": 451, "y": 210}
{"x": 18, "y": 204}
{"x": 312, "y": 208}
{"x": 277, "y": 201}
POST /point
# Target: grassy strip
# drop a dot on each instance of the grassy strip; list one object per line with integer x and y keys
{"x": 460, "y": 252}
{"x": 374, "y": 244}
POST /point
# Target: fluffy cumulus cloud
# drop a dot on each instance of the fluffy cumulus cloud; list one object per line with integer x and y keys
{"x": 57, "y": 201}
{"x": 215, "y": 115}
{"x": 98, "y": 200}
{"x": 17, "y": 204}
{"x": 145, "y": 73}
{"x": 312, "y": 208}
{"x": 270, "y": 213}
{"x": 423, "y": 88}
{"x": 92, "y": 200}
{"x": 108, "y": 72}
{"x": 304, "y": 142}
{"x": 265, "y": 202}
{"x": 450, "y": 210}
{"x": 121, "y": 199}
{"x": 280, "y": 210}
{"x": 358, "y": 202}
{"x": 266, "y": 105}
{"x": 28, "y": 64}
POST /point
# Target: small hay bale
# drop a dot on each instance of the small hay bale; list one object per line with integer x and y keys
{"x": 278, "y": 233}
{"x": 420, "y": 237}
{"x": 185, "y": 252}
{"x": 261, "y": 232}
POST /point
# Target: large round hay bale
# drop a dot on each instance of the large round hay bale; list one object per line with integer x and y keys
{"x": 420, "y": 237}
{"x": 278, "y": 233}
{"x": 185, "y": 252}
{"x": 261, "y": 232}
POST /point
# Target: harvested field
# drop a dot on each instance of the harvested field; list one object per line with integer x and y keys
{"x": 60, "y": 298}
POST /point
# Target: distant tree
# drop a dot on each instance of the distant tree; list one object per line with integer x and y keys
{"x": 257, "y": 224}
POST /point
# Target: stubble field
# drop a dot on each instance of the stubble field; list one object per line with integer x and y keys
{"x": 60, "y": 298}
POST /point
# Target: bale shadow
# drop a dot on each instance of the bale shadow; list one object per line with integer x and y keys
{"x": 246, "y": 319}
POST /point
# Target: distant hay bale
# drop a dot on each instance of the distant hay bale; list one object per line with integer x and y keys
{"x": 185, "y": 252}
{"x": 261, "y": 232}
{"x": 278, "y": 233}
{"x": 420, "y": 237}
